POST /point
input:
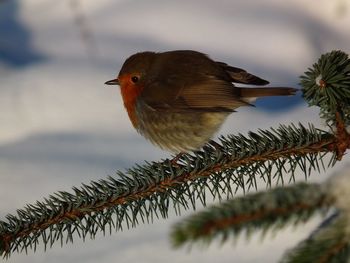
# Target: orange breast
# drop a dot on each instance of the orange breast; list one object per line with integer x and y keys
{"x": 130, "y": 93}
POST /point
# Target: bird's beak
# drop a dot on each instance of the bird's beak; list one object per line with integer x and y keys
{"x": 112, "y": 82}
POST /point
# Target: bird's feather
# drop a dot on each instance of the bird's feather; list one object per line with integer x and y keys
{"x": 190, "y": 81}
{"x": 210, "y": 95}
{"x": 239, "y": 75}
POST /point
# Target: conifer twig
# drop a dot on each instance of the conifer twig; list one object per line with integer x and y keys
{"x": 147, "y": 190}
{"x": 329, "y": 243}
{"x": 260, "y": 211}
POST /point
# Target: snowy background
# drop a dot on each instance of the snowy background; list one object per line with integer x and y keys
{"x": 60, "y": 126}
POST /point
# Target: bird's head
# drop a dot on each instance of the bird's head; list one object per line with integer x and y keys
{"x": 132, "y": 76}
{"x": 132, "y": 79}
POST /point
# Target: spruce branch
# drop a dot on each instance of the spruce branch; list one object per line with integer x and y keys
{"x": 329, "y": 243}
{"x": 326, "y": 85}
{"x": 261, "y": 211}
{"x": 147, "y": 191}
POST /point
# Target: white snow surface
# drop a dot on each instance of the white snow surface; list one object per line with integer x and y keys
{"x": 61, "y": 126}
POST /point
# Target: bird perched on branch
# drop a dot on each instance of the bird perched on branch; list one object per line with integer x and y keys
{"x": 179, "y": 99}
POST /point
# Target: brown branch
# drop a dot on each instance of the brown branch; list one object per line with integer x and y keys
{"x": 342, "y": 137}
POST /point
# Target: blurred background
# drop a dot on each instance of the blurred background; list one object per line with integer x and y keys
{"x": 61, "y": 126}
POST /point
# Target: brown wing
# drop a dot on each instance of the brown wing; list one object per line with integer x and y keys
{"x": 239, "y": 75}
{"x": 210, "y": 94}
{"x": 186, "y": 80}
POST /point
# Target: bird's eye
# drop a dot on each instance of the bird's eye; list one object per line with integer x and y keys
{"x": 134, "y": 79}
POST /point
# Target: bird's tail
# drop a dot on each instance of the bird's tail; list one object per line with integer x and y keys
{"x": 263, "y": 92}
{"x": 249, "y": 95}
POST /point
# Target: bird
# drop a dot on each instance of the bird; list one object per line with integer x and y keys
{"x": 179, "y": 99}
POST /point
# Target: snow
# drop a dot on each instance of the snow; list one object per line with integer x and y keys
{"x": 61, "y": 126}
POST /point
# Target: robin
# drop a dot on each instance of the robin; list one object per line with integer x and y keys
{"x": 179, "y": 99}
